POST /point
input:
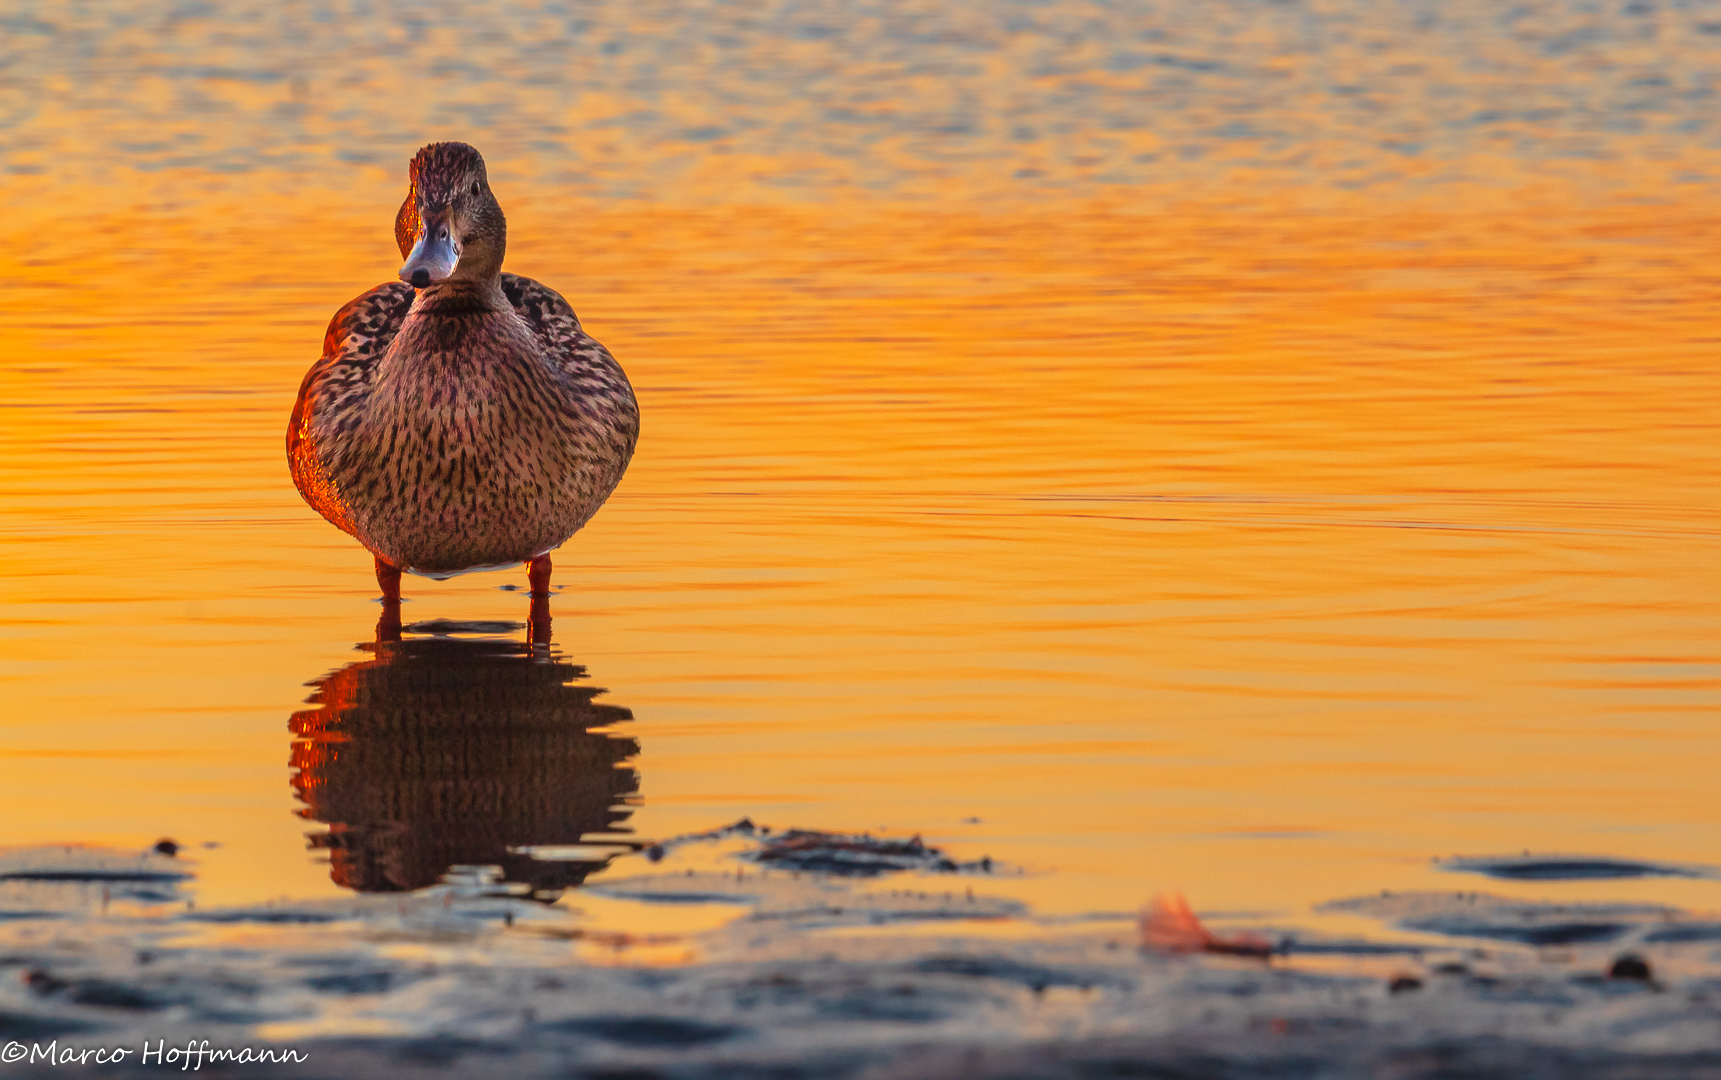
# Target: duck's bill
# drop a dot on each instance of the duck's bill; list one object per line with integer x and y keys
{"x": 432, "y": 259}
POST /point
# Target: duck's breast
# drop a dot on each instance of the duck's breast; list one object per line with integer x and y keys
{"x": 477, "y": 450}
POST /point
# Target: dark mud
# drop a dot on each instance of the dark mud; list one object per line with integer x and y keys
{"x": 810, "y": 974}
{"x": 1569, "y": 868}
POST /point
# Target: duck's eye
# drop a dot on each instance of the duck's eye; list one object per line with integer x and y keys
{"x": 474, "y": 187}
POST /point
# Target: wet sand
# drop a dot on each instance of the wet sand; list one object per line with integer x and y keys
{"x": 814, "y": 955}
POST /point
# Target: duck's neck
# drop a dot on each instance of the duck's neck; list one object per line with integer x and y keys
{"x": 462, "y": 296}
{"x": 454, "y": 330}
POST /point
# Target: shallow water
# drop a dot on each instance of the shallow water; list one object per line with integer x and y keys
{"x": 1079, "y": 436}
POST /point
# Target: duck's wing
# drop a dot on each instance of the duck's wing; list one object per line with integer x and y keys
{"x": 333, "y": 397}
{"x": 598, "y": 383}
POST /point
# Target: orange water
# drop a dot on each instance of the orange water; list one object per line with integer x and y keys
{"x": 1262, "y": 539}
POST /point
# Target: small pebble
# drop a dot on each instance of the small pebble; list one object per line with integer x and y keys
{"x": 1403, "y": 984}
{"x": 42, "y": 982}
{"x": 166, "y": 847}
{"x": 654, "y": 853}
{"x": 1630, "y": 966}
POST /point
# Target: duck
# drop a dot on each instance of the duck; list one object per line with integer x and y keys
{"x": 459, "y": 418}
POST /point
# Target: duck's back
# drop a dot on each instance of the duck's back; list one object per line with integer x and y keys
{"x": 443, "y": 459}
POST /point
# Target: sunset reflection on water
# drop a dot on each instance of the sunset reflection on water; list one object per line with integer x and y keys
{"x": 1263, "y": 538}
{"x": 439, "y": 751}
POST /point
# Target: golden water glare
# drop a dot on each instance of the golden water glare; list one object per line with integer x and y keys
{"x": 1260, "y": 540}
{"x": 1262, "y": 556}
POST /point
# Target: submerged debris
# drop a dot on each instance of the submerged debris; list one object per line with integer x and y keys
{"x": 1630, "y": 966}
{"x": 1169, "y": 925}
{"x": 77, "y": 877}
{"x": 1528, "y": 867}
{"x": 813, "y": 851}
{"x": 1499, "y": 918}
{"x": 816, "y": 852}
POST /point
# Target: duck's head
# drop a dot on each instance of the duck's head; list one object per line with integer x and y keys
{"x": 450, "y": 227}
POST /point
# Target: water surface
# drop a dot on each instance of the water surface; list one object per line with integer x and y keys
{"x": 1250, "y": 449}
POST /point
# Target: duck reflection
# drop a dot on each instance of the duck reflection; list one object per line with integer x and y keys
{"x": 439, "y": 751}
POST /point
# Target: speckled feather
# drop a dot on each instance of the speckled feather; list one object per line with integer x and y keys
{"x": 458, "y": 437}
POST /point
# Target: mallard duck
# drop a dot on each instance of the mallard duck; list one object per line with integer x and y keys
{"x": 459, "y": 419}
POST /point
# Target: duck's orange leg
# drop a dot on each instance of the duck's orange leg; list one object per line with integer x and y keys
{"x": 539, "y": 575}
{"x": 388, "y": 576}
{"x": 388, "y": 624}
